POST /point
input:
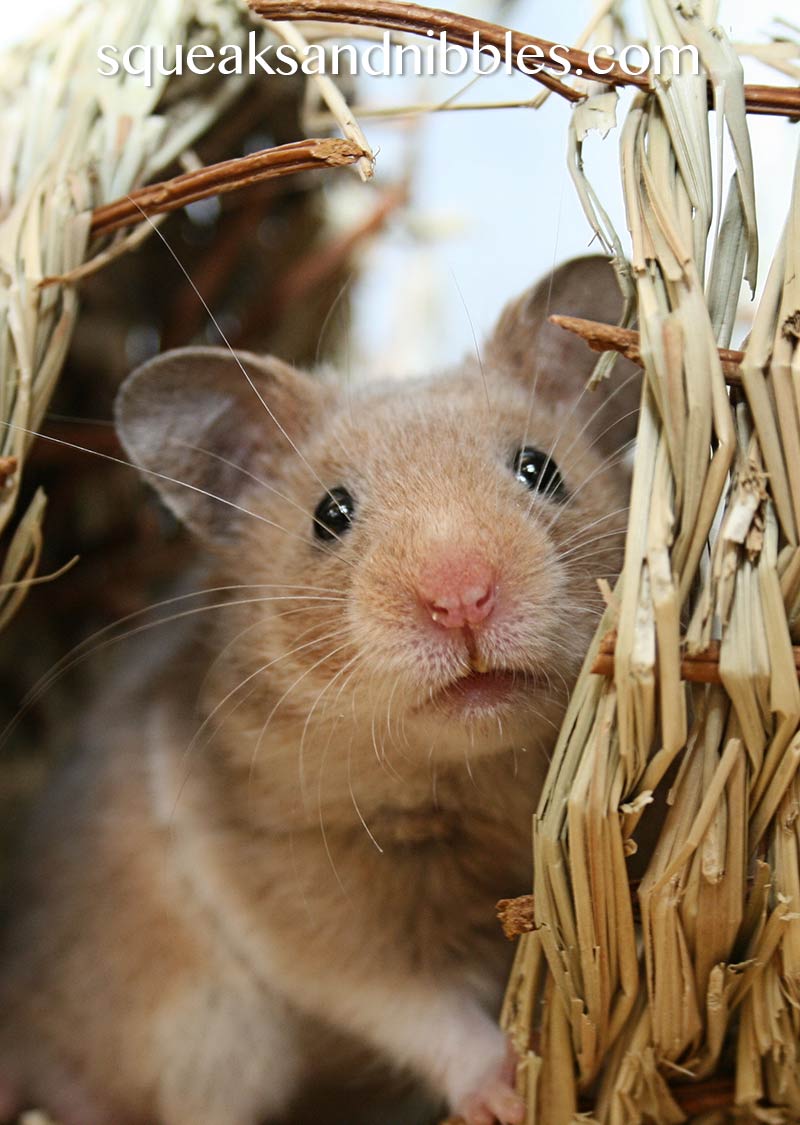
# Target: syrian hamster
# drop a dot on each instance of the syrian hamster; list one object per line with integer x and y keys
{"x": 272, "y": 863}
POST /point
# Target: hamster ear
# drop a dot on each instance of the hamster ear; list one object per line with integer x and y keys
{"x": 193, "y": 424}
{"x": 556, "y": 364}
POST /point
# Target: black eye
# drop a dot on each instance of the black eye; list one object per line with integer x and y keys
{"x": 333, "y": 514}
{"x": 539, "y": 473}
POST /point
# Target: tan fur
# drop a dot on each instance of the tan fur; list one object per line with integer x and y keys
{"x": 307, "y": 894}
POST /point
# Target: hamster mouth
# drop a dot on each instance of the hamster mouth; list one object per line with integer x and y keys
{"x": 482, "y": 692}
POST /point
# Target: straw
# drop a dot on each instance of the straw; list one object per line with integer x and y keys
{"x": 75, "y": 148}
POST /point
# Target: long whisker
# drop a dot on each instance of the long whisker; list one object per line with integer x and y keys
{"x": 594, "y": 523}
{"x": 570, "y": 413}
{"x": 592, "y": 540}
{"x": 223, "y": 653}
{"x": 610, "y": 462}
{"x": 537, "y": 365}
{"x": 243, "y": 683}
{"x": 329, "y": 316}
{"x": 154, "y": 473}
{"x": 81, "y": 652}
{"x": 236, "y": 358}
{"x": 351, "y": 790}
{"x": 285, "y": 695}
{"x": 356, "y": 805}
{"x": 475, "y": 343}
{"x": 300, "y": 755}
{"x": 612, "y": 458}
{"x": 387, "y": 766}
{"x": 323, "y": 760}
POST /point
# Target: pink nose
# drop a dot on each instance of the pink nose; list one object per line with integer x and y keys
{"x": 457, "y": 590}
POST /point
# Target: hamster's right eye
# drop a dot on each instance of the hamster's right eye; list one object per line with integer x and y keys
{"x": 334, "y": 514}
{"x": 539, "y": 472}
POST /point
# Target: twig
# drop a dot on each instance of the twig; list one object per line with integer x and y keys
{"x": 228, "y": 175}
{"x": 713, "y": 1094}
{"x": 332, "y": 96}
{"x": 610, "y": 338}
{"x": 322, "y": 119}
{"x": 418, "y": 20}
{"x": 697, "y": 668}
{"x": 776, "y": 101}
{"x": 395, "y": 15}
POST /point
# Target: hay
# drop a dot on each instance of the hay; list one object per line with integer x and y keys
{"x": 75, "y": 146}
{"x": 633, "y": 1007}
{"x": 72, "y": 140}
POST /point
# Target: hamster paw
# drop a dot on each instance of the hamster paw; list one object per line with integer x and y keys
{"x": 493, "y": 1100}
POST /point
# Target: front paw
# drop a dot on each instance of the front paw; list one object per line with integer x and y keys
{"x": 493, "y": 1099}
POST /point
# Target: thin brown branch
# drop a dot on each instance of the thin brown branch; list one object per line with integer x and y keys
{"x": 228, "y": 175}
{"x": 610, "y": 338}
{"x": 697, "y": 667}
{"x": 414, "y": 19}
{"x": 774, "y": 101}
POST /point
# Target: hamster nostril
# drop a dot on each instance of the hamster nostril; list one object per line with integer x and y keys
{"x": 445, "y": 614}
{"x": 486, "y": 597}
{"x": 478, "y": 604}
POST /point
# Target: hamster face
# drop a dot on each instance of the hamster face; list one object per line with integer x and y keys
{"x": 463, "y": 536}
{"x": 431, "y": 548}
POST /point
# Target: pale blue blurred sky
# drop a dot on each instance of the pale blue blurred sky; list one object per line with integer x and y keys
{"x": 493, "y": 205}
{"x": 500, "y": 179}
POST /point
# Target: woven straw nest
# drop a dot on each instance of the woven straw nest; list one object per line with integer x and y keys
{"x": 677, "y": 997}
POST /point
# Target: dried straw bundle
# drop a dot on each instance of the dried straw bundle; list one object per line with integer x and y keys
{"x": 72, "y": 140}
{"x": 626, "y": 1010}
{"x": 75, "y": 146}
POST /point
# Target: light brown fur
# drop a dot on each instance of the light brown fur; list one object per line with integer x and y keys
{"x": 228, "y": 897}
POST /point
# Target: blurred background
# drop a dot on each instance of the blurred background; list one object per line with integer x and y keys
{"x": 396, "y": 277}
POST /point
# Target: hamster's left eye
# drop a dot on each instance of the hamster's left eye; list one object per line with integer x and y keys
{"x": 334, "y": 514}
{"x": 539, "y": 472}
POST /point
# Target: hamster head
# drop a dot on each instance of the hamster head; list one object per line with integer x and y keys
{"x": 423, "y": 555}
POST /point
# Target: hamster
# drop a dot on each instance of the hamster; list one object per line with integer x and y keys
{"x": 270, "y": 868}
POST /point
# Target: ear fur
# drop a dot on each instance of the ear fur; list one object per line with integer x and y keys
{"x": 556, "y": 364}
{"x": 190, "y": 418}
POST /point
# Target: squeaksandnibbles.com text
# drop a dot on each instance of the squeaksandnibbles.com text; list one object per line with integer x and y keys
{"x": 386, "y": 58}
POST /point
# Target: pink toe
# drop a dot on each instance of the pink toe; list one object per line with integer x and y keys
{"x": 512, "y": 1110}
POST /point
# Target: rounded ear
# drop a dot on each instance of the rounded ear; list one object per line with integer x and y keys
{"x": 200, "y": 423}
{"x": 557, "y": 364}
